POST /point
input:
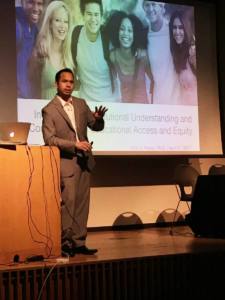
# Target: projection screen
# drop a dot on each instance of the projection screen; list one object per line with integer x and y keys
{"x": 153, "y": 65}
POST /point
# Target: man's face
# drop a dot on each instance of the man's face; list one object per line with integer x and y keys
{"x": 65, "y": 84}
{"x": 92, "y": 17}
{"x": 154, "y": 10}
{"x": 33, "y": 10}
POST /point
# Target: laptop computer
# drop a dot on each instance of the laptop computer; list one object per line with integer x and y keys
{"x": 14, "y": 133}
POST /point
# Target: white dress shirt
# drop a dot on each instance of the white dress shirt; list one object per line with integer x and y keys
{"x": 69, "y": 109}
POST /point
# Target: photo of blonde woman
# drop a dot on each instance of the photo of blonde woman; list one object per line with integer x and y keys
{"x": 52, "y": 50}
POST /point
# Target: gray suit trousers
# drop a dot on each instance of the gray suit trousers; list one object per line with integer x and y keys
{"x": 75, "y": 205}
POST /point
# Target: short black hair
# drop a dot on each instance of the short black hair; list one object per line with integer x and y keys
{"x": 83, "y": 4}
{"x": 65, "y": 70}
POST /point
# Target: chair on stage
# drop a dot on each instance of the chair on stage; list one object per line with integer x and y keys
{"x": 127, "y": 220}
{"x": 217, "y": 169}
{"x": 185, "y": 178}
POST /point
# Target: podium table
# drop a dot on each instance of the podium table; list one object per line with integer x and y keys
{"x": 30, "y": 220}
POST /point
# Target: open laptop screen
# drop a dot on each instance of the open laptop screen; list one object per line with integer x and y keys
{"x": 12, "y": 133}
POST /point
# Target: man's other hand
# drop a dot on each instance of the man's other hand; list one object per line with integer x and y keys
{"x": 83, "y": 145}
{"x": 99, "y": 112}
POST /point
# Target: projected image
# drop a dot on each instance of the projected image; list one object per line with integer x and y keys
{"x": 136, "y": 57}
{"x": 124, "y": 51}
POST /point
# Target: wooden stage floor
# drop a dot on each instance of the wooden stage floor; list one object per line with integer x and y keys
{"x": 140, "y": 243}
{"x": 149, "y": 242}
{"x": 131, "y": 264}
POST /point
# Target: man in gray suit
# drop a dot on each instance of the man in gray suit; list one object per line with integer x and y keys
{"x": 65, "y": 122}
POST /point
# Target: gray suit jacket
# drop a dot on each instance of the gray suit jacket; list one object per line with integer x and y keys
{"x": 58, "y": 131}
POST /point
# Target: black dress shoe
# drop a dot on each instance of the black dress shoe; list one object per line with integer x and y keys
{"x": 67, "y": 250}
{"x": 84, "y": 250}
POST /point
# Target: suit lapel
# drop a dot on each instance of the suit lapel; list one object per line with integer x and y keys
{"x": 76, "y": 112}
{"x": 60, "y": 109}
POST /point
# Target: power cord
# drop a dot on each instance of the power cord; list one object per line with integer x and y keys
{"x": 30, "y": 218}
{"x": 44, "y": 283}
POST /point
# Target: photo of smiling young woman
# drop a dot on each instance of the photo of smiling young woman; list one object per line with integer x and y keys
{"x": 183, "y": 53}
{"x": 52, "y": 50}
{"x": 129, "y": 58}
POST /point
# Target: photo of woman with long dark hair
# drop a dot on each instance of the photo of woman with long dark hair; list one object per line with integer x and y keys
{"x": 183, "y": 52}
{"x": 129, "y": 57}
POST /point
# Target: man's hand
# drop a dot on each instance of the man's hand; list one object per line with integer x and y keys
{"x": 83, "y": 145}
{"x": 99, "y": 112}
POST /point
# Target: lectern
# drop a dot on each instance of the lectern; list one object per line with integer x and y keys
{"x": 29, "y": 202}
